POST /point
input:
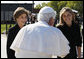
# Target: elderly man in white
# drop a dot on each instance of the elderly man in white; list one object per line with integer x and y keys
{"x": 41, "y": 40}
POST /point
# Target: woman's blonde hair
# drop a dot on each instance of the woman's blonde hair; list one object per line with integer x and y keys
{"x": 63, "y": 10}
{"x": 19, "y": 11}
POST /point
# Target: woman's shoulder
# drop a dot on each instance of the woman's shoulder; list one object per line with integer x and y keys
{"x": 76, "y": 26}
{"x": 59, "y": 26}
{"x": 11, "y": 28}
{"x": 16, "y": 27}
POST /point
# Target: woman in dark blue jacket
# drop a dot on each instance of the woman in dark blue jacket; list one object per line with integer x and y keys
{"x": 20, "y": 16}
{"x": 71, "y": 30}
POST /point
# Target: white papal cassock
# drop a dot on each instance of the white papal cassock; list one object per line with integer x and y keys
{"x": 42, "y": 38}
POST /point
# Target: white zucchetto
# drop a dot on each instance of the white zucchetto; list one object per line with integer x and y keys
{"x": 46, "y": 13}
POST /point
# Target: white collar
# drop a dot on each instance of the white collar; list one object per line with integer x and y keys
{"x": 44, "y": 22}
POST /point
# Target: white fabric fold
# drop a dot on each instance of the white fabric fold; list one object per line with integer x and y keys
{"x": 40, "y": 37}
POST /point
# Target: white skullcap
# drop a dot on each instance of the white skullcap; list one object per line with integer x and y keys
{"x": 46, "y": 13}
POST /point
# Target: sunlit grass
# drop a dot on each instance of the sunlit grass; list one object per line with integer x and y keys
{"x": 3, "y": 27}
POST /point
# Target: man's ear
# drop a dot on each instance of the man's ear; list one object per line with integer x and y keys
{"x": 50, "y": 21}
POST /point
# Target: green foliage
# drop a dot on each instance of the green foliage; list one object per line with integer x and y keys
{"x": 54, "y": 5}
{"x": 3, "y": 27}
{"x": 58, "y": 5}
{"x": 61, "y": 4}
{"x": 44, "y": 4}
{"x": 39, "y": 6}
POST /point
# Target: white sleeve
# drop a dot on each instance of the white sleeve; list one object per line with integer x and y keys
{"x": 18, "y": 39}
{"x": 64, "y": 44}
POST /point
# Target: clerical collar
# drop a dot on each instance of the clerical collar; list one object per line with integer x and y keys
{"x": 44, "y": 22}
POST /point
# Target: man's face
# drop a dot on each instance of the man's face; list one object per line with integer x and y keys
{"x": 51, "y": 22}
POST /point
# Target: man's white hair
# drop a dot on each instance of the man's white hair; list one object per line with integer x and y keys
{"x": 46, "y": 13}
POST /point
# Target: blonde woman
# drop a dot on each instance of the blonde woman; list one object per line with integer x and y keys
{"x": 71, "y": 31}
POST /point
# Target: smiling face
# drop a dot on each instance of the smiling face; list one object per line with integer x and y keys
{"x": 21, "y": 20}
{"x": 67, "y": 17}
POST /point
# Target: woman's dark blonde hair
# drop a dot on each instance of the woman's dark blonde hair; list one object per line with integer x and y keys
{"x": 63, "y": 10}
{"x": 19, "y": 11}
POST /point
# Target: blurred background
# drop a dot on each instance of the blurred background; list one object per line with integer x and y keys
{"x": 8, "y": 7}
